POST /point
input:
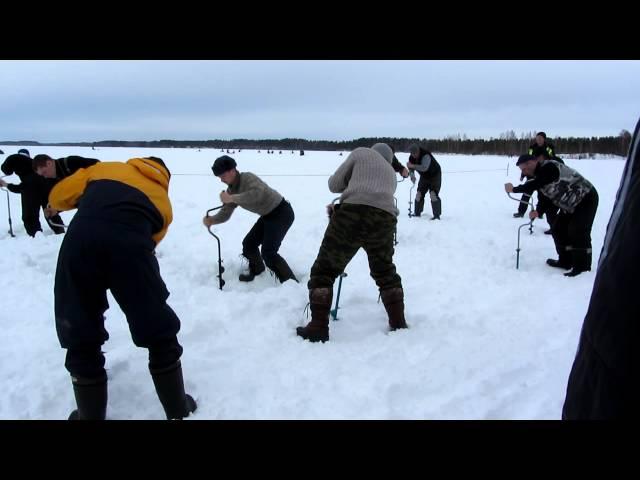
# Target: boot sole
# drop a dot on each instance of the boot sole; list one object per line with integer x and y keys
{"x": 311, "y": 338}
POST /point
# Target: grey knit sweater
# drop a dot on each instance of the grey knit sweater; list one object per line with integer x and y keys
{"x": 250, "y": 193}
{"x": 366, "y": 178}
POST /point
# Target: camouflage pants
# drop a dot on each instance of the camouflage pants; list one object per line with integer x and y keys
{"x": 353, "y": 227}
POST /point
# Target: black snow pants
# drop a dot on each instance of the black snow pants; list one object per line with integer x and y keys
{"x": 98, "y": 255}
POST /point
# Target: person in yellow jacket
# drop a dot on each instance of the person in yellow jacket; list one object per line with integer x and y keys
{"x": 123, "y": 213}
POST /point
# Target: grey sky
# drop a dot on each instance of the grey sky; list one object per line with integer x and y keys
{"x": 57, "y": 101}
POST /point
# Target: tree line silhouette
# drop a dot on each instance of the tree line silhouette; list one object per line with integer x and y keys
{"x": 507, "y": 144}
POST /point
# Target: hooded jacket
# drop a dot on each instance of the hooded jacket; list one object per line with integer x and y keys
{"x": 120, "y": 192}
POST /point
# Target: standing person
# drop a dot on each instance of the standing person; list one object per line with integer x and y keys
{"x": 541, "y": 145}
{"x": 365, "y": 218}
{"x": 33, "y": 191}
{"x": 577, "y": 199}
{"x": 110, "y": 245}
{"x": 430, "y": 179}
{"x": 276, "y": 217}
{"x": 603, "y": 383}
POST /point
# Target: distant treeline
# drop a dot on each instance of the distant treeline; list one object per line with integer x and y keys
{"x": 507, "y": 144}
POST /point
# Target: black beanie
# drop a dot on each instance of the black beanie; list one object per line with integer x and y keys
{"x": 223, "y": 164}
{"x": 24, "y": 151}
{"x": 525, "y": 158}
{"x": 542, "y": 134}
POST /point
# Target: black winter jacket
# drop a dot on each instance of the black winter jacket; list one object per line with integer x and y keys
{"x": 21, "y": 166}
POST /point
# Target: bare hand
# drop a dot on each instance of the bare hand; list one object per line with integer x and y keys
{"x": 225, "y": 197}
{"x": 50, "y": 212}
{"x": 405, "y": 172}
{"x": 3, "y": 184}
{"x": 207, "y": 221}
{"x": 533, "y": 214}
{"x": 330, "y": 209}
{"x": 508, "y": 187}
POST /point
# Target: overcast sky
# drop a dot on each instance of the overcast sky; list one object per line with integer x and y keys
{"x": 59, "y": 101}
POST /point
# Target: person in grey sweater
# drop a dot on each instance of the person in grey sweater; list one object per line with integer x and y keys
{"x": 365, "y": 218}
{"x": 276, "y": 217}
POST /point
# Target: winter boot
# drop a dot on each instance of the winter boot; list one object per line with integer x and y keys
{"x": 581, "y": 262}
{"x": 564, "y": 258}
{"x": 170, "y": 389}
{"x": 436, "y": 207}
{"x": 518, "y": 215}
{"x": 282, "y": 270}
{"x": 418, "y": 206}
{"x": 256, "y": 267}
{"x": 561, "y": 263}
{"x": 393, "y": 300}
{"x": 91, "y": 398}
{"x": 317, "y": 330}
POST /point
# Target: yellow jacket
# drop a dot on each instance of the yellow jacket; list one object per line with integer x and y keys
{"x": 144, "y": 174}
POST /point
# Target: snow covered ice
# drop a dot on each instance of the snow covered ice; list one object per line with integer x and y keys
{"x": 486, "y": 341}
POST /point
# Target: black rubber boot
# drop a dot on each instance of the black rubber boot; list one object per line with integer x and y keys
{"x": 170, "y": 389}
{"x": 418, "y": 207}
{"x": 565, "y": 264}
{"x": 564, "y": 258}
{"x": 282, "y": 270}
{"x": 436, "y": 207}
{"x": 317, "y": 330}
{"x": 256, "y": 267}
{"x": 91, "y": 398}
{"x": 581, "y": 262}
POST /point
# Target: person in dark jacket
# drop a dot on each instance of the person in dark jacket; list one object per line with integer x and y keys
{"x": 365, "y": 218}
{"x": 540, "y": 146}
{"x": 110, "y": 245}
{"x": 430, "y": 179}
{"x": 604, "y": 378}
{"x": 577, "y": 199}
{"x": 552, "y": 210}
{"x": 276, "y": 217}
{"x": 60, "y": 168}
{"x": 33, "y": 191}
{"x": 56, "y": 170}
